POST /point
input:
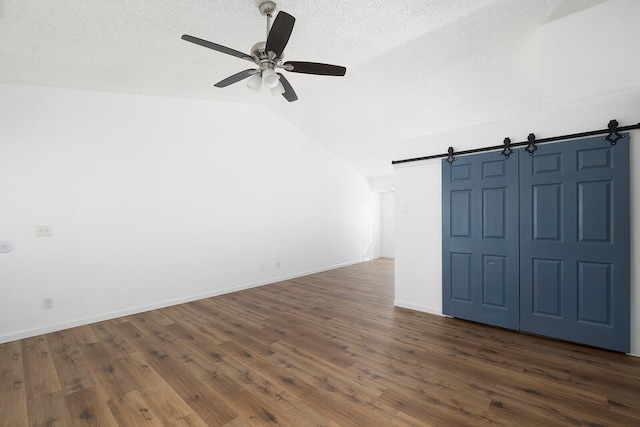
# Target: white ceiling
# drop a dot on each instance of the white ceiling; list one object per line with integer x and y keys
{"x": 414, "y": 67}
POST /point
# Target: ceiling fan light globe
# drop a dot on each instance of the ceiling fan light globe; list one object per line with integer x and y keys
{"x": 270, "y": 79}
{"x": 255, "y": 82}
{"x": 278, "y": 89}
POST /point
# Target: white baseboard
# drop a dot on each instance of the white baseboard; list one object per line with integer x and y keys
{"x": 27, "y": 333}
{"x": 416, "y": 307}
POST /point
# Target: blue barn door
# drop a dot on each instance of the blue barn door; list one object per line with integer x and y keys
{"x": 480, "y": 239}
{"x": 574, "y": 242}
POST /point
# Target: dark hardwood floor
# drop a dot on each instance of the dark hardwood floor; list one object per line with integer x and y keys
{"x": 323, "y": 350}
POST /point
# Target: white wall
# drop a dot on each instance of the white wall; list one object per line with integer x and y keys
{"x": 156, "y": 201}
{"x": 590, "y": 74}
{"x": 387, "y": 233}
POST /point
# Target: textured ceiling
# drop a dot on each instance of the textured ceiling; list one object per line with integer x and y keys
{"x": 413, "y": 66}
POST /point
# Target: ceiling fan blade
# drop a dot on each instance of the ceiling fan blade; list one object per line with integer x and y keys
{"x": 216, "y": 46}
{"x": 280, "y": 33}
{"x": 289, "y": 94}
{"x": 314, "y": 68}
{"x": 235, "y": 78}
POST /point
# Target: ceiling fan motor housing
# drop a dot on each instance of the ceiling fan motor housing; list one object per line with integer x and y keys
{"x": 263, "y": 58}
{"x": 258, "y": 51}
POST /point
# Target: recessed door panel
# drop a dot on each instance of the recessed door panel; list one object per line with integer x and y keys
{"x": 460, "y": 213}
{"x": 547, "y": 287}
{"x": 547, "y": 212}
{"x": 546, "y": 163}
{"x": 493, "y": 169}
{"x": 461, "y": 276}
{"x": 494, "y": 281}
{"x": 460, "y": 172}
{"x": 595, "y": 158}
{"x": 595, "y": 293}
{"x": 594, "y": 211}
{"x": 494, "y": 213}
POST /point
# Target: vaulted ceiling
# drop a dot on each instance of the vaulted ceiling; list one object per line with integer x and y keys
{"x": 414, "y": 67}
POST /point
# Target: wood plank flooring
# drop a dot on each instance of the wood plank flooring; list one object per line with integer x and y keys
{"x": 323, "y": 350}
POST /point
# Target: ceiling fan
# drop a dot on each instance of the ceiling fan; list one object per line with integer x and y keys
{"x": 267, "y": 56}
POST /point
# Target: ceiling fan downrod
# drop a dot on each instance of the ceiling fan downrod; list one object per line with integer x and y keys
{"x": 266, "y": 9}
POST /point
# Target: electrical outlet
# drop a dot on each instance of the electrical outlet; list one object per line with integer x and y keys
{"x": 44, "y": 230}
{"x": 261, "y": 267}
{"x": 47, "y": 303}
{"x": 277, "y": 264}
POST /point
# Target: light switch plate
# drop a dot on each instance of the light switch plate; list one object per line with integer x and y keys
{"x": 44, "y": 230}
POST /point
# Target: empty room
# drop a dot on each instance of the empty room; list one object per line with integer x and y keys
{"x": 284, "y": 213}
